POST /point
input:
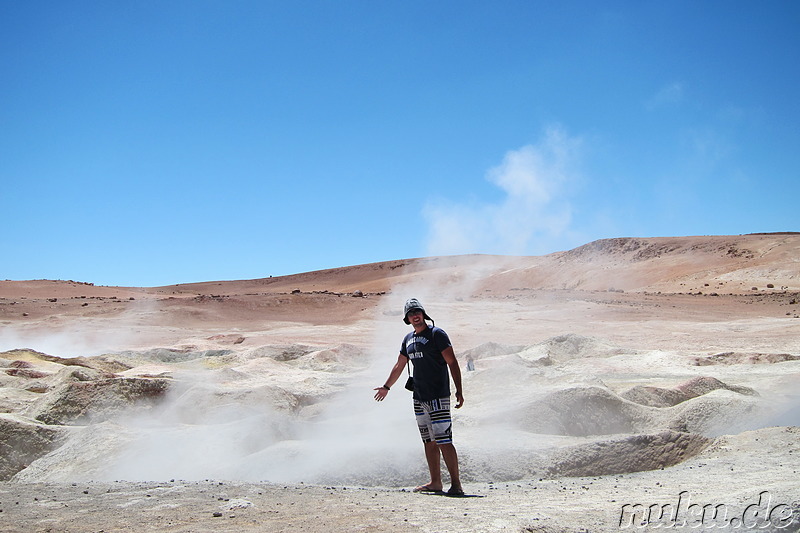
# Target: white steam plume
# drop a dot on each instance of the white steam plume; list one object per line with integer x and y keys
{"x": 535, "y": 180}
{"x": 87, "y": 336}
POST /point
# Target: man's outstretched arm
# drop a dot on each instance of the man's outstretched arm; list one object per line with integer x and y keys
{"x": 394, "y": 375}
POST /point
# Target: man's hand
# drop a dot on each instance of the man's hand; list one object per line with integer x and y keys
{"x": 380, "y": 393}
{"x": 459, "y": 400}
{"x": 397, "y": 371}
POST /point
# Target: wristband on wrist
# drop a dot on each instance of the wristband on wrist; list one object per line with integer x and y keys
{"x": 385, "y": 386}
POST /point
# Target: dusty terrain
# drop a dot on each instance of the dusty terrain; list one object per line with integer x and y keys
{"x": 612, "y": 382}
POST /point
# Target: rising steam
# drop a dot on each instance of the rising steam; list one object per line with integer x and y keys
{"x": 536, "y": 180}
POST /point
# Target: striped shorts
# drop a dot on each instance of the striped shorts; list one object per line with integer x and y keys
{"x": 433, "y": 420}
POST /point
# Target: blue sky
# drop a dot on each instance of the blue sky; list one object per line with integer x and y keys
{"x": 155, "y": 142}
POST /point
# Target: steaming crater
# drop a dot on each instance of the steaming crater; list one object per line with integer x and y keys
{"x": 298, "y": 412}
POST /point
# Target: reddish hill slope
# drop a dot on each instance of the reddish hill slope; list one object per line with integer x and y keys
{"x": 668, "y": 264}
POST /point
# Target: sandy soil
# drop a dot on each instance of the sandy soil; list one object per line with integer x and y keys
{"x": 612, "y": 381}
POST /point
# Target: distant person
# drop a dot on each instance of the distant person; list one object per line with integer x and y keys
{"x": 430, "y": 352}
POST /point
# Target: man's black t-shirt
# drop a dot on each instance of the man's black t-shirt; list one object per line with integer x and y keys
{"x": 424, "y": 350}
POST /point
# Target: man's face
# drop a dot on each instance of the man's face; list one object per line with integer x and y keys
{"x": 416, "y": 317}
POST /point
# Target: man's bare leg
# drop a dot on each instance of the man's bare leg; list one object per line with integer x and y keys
{"x": 433, "y": 456}
{"x": 451, "y": 461}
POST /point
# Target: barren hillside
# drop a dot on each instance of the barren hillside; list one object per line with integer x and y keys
{"x": 669, "y": 264}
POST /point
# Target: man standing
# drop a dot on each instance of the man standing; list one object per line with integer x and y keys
{"x": 430, "y": 351}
